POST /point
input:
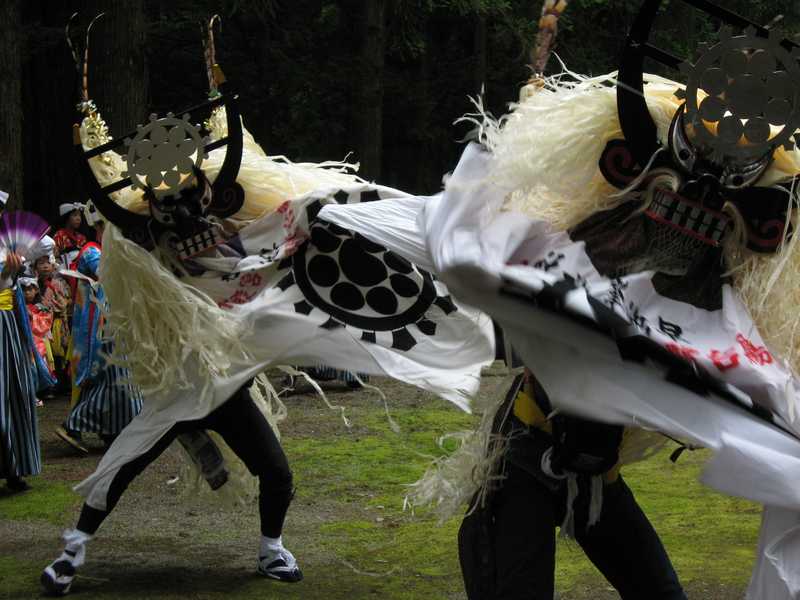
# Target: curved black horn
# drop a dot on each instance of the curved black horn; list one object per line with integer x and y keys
{"x": 637, "y": 125}
{"x": 228, "y": 195}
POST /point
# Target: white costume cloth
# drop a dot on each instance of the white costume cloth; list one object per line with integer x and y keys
{"x": 481, "y": 253}
{"x": 315, "y": 295}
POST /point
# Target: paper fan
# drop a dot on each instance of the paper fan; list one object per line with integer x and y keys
{"x": 21, "y": 232}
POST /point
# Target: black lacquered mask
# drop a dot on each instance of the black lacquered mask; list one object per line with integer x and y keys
{"x": 741, "y": 103}
{"x": 164, "y": 158}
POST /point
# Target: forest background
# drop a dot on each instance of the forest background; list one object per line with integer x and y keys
{"x": 319, "y": 79}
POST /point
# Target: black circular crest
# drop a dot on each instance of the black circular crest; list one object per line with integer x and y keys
{"x": 360, "y": 283}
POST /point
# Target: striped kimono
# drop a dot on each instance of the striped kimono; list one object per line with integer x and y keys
{"x": 20, "y": 454}
{"x": 107, "y": 401}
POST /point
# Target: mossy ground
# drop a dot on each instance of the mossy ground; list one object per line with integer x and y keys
{"x": 346, "y": 526}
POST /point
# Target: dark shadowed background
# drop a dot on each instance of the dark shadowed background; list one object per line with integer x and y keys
{"x": 383, "y": 79}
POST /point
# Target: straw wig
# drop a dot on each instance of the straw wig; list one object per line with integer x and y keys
{"x": 548, "y": 147}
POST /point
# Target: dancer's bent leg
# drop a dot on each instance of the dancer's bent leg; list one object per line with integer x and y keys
{"x": 247, "y": 432}
{"x": 245, "y": 429}
{"x": 57, "y": 578}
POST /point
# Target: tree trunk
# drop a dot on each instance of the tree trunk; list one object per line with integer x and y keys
{"x": 118, "y": 78}
{"x": 118, "y": 83}
{"x": 479, "y": 70}
{"x": 427, "y": 174}
{"x": 11, "y": 163}
{"x": 370, "y": 106}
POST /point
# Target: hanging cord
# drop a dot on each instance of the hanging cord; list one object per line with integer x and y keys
{"x": 682, "y": 447}
{"x": 392, "y": 423}
{"x": 291, "y": 371}
{"x": 568, "y": 524}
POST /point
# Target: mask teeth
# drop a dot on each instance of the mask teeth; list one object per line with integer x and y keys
{"x": 206, "y": 239}
{"x": 688, "y": 217}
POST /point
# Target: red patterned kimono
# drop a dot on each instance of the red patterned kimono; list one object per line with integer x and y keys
{"x": 68, "y": 243}
{"x": 41, "y": 322}
{"x": 57, "y": 296}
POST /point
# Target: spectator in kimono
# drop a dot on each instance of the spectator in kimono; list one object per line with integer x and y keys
{"x": 106, "y": 401}
{"x": 69, "y": 240}
{"x": 57, "y": 297}
{"x": 41, "y": 319}
{"x": 20, "y": 454}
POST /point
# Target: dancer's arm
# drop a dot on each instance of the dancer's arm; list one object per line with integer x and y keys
{"x": 11, "y": 267}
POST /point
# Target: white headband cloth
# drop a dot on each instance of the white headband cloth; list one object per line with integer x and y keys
{"x": 68, "y": 207}
{"x": 28, "y": 281}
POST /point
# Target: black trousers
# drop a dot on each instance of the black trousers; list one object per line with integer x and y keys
{"x": 244, "y": 428}
{"x": 508, "y": 548}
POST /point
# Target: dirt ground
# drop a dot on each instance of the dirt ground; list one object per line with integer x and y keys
{"x": 347, "y": 525}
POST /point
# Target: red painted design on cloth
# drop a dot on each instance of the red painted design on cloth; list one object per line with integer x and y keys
{"x": 288, "y": 215}
{"x": 758, "y": 355}
{"x": 250, "y": 280}
{"x": 682, "y": 351}
{"x": 724, "y": 360}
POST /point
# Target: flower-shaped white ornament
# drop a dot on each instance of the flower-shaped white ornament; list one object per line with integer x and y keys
{"x": 750, "y": 100}
{"x": 162, "y": 154}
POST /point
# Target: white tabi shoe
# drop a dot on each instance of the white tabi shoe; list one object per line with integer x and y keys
{"x": 276, "y": 562}
{"x": 58, "y": 576}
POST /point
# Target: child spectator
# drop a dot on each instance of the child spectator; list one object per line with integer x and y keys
{"x": 69, "y": 240}
{"x": 41, "y": 318}
{"x": 56, "y": 296}
{"x": 41, "y": 321}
